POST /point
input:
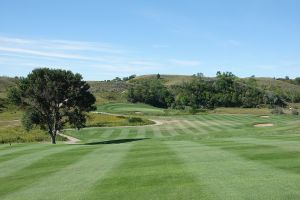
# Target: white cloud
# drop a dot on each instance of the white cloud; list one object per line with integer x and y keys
{"x": 88, "y": 58}
{"x": 59, "y": 45}
{"x": 43, "y": 53}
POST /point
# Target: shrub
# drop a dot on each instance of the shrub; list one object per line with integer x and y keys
{"x": 294, "y": 112}
{"x": 135, "y": 120}
{"x": 190, "y": 110}
{"x": 277, "y": 111}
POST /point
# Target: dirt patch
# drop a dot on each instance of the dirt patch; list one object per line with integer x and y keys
{"x": 71, "y": 140}
{"x": 265, "y": 116}
{"x": 264, "y": 125}
{"x": 10, "y": 123}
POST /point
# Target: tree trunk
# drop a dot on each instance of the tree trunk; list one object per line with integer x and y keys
{"x": 53, "y": 138}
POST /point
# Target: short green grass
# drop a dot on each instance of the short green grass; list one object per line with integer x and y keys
{"x": 130, "y": 108}
{"x": 213, "y": 156}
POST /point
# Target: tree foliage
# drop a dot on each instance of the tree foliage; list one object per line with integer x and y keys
{"x": 150, "y": 91}
{"x": 226, "y": 90}
{"x": 53, "y": 97}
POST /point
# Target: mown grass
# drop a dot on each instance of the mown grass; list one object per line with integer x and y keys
{"x": 130, "y": 108}
{"x": 253, "y": 111}
{"x": 207, "y": 156}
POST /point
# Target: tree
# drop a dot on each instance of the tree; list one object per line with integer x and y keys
{"x": 158, "y": 76}
{"x": 199, "y": 74}
{"x": 150, "y": 91}
{"x": 54, "y": 97}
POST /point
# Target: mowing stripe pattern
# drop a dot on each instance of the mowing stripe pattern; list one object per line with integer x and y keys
{"x": 185, "y": 157}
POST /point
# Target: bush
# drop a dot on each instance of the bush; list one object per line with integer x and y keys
{"x": 135, "y": 120}
{"x": 277, "y": 111}
{"x": 190, "y": 110}
{"x": 294, "y": 112}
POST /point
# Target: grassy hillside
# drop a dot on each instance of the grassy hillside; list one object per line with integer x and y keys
{"x": 5, "y": 83}
{"x": 113, "y": 91}
{"x": 167, "y": 79}
{"x": 279, "y": 86}
{"x": 291, "y": 92}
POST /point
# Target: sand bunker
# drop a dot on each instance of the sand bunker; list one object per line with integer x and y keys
{"x": 264, "y": 125}
{"x": 265, "y": 116}
{"x": 139, "y": 113}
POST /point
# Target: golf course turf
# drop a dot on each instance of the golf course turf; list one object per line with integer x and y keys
{"x": 210, "y": 156}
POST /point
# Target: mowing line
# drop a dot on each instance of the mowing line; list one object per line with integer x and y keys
{"x": 157, "y": 132}
{"x": 149, "y": 171}
{"x": 11, "y": 166}
{"x": 185, "y": 128}
{"x": 76, "y": 179}
{"x": 231, "y": 177}
{"x": 46, "y": 165}
{"x": 141, "y": 133}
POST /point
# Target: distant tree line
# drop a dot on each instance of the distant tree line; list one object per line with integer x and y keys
{"x": 118, "y": 79}
{"x": 226, "y": 90}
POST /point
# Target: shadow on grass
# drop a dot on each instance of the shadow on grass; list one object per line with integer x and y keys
{"x": 120, "y": 141}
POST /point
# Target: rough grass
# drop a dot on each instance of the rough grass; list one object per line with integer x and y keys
{"x": 16, "y": 134}
{"x": 105, "y": 120}
{"x": 11, "y": 130}
{"x": 167, "y": 79}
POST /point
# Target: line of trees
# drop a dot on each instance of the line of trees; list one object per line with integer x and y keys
{"x": 226, "y": 90}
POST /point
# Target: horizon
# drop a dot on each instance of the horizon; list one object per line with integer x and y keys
{"x": 103, "y": 40}
{"x": 258, "y": 77}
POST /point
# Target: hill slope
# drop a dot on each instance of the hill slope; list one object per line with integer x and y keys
{"x": 290, "y": 92}
{"x": 113, "y": 89}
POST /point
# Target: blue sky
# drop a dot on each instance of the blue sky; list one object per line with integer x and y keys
{"x": 105, "y": 39}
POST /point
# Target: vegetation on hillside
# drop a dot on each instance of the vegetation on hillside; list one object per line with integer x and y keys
{"x": 224, "y": 91}
{"x": 151, "y": 92}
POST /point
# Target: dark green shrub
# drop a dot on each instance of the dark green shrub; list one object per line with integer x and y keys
{"x": 135, "y": 120}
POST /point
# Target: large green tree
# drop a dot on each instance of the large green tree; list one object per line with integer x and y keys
{"x": 52, "y": 98}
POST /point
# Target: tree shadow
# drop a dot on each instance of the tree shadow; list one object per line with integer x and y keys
{"x": 119, "y": 141}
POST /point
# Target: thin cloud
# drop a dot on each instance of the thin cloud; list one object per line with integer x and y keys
{"x": 188, "y": 63}
{"x": 41, "y": 53}
{"x": 89, "y": 58}
{"x": 59, "y": 45}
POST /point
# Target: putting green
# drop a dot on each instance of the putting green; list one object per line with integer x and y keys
{"x": 129, "y": 108}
